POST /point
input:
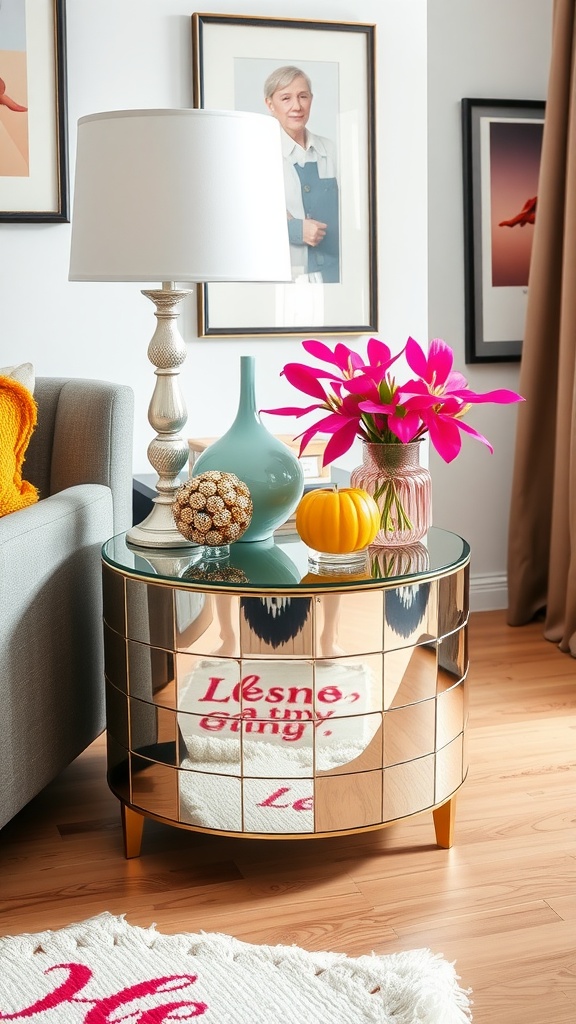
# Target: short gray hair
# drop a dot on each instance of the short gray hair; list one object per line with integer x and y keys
{"x": 282, "y": 77}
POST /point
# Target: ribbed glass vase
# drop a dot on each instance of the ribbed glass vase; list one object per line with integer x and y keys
{"x": 401, "y": 487}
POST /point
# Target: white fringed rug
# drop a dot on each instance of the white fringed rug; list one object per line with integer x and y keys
{"x": 106, "y": 971}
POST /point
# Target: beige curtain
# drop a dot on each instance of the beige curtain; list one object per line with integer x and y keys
{"x": 542, "y": 529}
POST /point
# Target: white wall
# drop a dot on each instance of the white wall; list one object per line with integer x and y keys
{"x": 137, "y": 53}
{"x": 483, "y": 49}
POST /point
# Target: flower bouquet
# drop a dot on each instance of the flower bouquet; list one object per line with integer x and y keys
{"x": 359, "y": 396}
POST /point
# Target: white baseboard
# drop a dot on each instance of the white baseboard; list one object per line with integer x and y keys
{"x": 488, "y": 592}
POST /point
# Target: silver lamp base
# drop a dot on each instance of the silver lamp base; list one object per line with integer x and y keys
{"x": 168, "y": 451}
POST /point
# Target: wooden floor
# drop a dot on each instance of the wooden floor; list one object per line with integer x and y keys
{"x": 501, "y": 902}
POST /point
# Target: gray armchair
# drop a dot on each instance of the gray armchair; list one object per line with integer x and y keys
{"x": 51, "y": 650}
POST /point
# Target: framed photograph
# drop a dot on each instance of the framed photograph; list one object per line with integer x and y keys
{"x": 317, "y": 79}
{"x": 33, "y": 126}
{"x": 502, "y": 145}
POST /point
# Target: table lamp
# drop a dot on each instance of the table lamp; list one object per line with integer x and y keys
{"x": 176, "y": 196}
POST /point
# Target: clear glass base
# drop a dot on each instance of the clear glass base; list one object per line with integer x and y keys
{"x": 325, "y": 562}
{"x": 215, "y": 553}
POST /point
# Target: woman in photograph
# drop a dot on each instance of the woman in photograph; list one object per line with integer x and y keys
{"x": 310, "y": 180}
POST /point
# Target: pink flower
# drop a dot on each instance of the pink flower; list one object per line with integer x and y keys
{"x": 364, "y": 400}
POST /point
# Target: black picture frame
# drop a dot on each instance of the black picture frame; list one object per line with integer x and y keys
{"x": 34, "y": 185}
{"x": 232, "y": 56}
{"x": 502, "y": 141}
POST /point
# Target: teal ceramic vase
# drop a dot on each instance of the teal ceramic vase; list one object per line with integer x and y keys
{"x": 271, "y": 471}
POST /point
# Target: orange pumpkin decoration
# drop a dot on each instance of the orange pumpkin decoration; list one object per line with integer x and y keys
{"x": 338, "y": 521}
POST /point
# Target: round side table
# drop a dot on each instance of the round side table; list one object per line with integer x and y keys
{"x": 261, "y": 700}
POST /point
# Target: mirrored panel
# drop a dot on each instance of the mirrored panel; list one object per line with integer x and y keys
{"x": 115, "y": 658}
{"x": 278, "y": 806}
{"x": 210, "y": 743}
{"x": 408, "y": 787}
{"x": 210, "y": 801}
{"x": 209, "y": 625}
{"x": 118, "y": 769}
{"x": 349, "y": 745}
{"x": 117, "y": 715}
{"x": 348, "y": 686}
{"x": 209, "y": 686}
{"x": 349, "y": 623}
{"x": 151, "y": 674}
{"x": 452, "y": 658}
{"x": 409, "y": 732}
{"x": 449, "y": 769}
{"x": 279, "y": 748}
{"x": 150, "y": 613}
{"x": 113, "y": 599}
{"x": 154, "y": 787}
{"x": 410, "y": 614}
{"x": 410, "y": 674}
{"x": 153, "y": 732}
{"x": 453, "y": 600}
{"x": 348, "y": 801}
{"x": 276, "y": 625}
{"x": 192, "y": 618}
{"x": 450, "y": 712}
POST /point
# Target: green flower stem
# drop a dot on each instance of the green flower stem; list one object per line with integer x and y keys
{"x": 392, "y": 515}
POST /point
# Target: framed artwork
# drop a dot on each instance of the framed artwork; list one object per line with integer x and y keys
{"x": 317, "y": 79}
{"x": 33, "y": 125}
{"x": 502, "y": 145}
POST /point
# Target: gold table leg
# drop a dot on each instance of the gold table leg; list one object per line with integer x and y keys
{"x": 132, "y": 829}
{"x": 444, "y": 819}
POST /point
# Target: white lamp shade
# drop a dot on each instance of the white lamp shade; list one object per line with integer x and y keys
{"x": 179, "y": 195}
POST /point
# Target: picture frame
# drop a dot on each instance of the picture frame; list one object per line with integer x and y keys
{"x": 232, "y": 59}
{"x": 502, "y": 143}
{"x": 33, "y": 112}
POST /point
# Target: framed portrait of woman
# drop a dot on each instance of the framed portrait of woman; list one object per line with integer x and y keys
{"x": 317, "y": 79}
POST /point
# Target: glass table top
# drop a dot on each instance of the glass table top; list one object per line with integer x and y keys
{"x": 282, "y": 563}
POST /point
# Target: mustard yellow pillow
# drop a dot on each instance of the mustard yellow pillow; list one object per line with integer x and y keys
{"x": 18, "y": 414}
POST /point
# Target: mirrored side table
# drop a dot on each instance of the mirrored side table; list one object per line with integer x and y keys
{"x": 261, "y": 700}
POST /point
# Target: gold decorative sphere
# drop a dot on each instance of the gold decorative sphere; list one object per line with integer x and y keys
{"x": 213, "y": 508}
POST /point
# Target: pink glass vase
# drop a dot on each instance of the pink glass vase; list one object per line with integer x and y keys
{"x": 401, "y": 487}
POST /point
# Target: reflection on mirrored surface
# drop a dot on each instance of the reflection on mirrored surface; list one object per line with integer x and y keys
{"x": 150, "y": 613}
{"x": 409, "y": 731}
{"x": 275, "y": 563}
{"x": 118, "y": 768}
{"x": 452, "y": 658}
{"x": 410, "y": 614}
{"x": 153, "y": 732}
{"x": 113, "y": 599}
{"x": 410, "y": 674}
{"x": 209, "y": 746}
{"x": 348, "y": 801}
{"x": 117, "y": 715}
{"x": 450, "y": 714}
{"x": 349, "y": 745}
{"x": 278, "y": 806}
{"x": 408, "y": 787}
{"x": 449, "y": 769}
{"x": 348, "y": 623}
{"x": 348, "y": 686}
{"x": 214, "y": 631}
{"x": 154, "y": 787}
{"x": 276, "y": 625}
{"x": 151, "y": 674}
{"x": 210, "y": 801}
{"x": 453, "y": 600}
{"x": 398, "y": 561}
{"x": 115, "y": 666}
